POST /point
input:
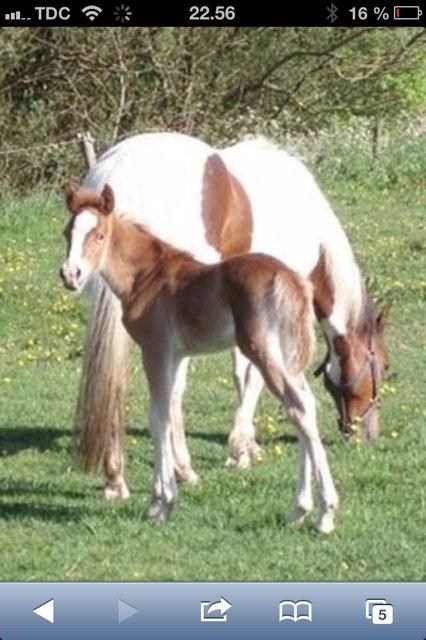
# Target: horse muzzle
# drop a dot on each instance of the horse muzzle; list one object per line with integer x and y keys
{"x": 71, "y": 278}
{"x": 365, "y": 428}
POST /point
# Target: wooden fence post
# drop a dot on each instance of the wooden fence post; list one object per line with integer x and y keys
{"x": 86, "y": 141}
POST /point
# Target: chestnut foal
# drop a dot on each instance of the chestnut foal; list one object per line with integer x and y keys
{"x": 175, "y": 306}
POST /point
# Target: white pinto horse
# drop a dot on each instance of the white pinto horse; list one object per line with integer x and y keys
{"x": 215, "y": 204}
{"x": 175, "y": 306}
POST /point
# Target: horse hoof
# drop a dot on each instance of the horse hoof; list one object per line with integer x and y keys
{"x": 245, "y": 459}
{"x": 298, "y": 516}
{"x": 256, "y": 452}
{"x": 116, "y": 491}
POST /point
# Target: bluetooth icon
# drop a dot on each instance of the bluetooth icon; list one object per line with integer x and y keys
{"x": 332, "y": 13}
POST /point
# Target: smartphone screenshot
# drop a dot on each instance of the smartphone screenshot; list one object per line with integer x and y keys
{"x": 212, "y": 312}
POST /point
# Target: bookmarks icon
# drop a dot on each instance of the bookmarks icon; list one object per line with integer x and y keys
{"x": 295, "y": 611}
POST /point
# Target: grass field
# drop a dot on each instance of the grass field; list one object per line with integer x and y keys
{"x": 54, "y": 523}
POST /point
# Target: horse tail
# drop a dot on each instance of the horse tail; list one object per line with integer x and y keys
{"x": 296, "y": 315}
{"x": 100, "y": 414}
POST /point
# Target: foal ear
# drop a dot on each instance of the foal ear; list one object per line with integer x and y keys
{"x": 382, "y": 317}
{"x": 70, "y": 189}
{"x": 107, "y": 200}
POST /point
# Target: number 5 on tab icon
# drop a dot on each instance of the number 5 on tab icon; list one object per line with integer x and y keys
{"x": 379, "y": 611}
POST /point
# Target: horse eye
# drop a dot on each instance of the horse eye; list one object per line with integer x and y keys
{"x": 100, "y": 237}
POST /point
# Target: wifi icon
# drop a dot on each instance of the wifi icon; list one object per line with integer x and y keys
{"x": 91, "y": 11}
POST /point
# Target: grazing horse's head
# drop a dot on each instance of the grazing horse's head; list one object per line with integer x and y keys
{"x": 87, "y": 234}
{"x": 354, "y": 374}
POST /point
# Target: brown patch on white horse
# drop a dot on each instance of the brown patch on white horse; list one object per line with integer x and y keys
{"x": 226, "y": 210}
{"x": 323, "y": 288}
{"x": 175, "y": 306}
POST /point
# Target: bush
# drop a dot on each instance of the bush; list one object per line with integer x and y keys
{"x": 215, "y": 83}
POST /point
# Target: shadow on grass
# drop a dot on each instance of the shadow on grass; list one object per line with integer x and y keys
{"x": 222, "y": 439}
{"x": 16, "y": 439}
{"x": 74, "y": 506}
{"x": 46, "y": 490}
{"x": 100, "y": 510}
{"x": 47, "y": 513}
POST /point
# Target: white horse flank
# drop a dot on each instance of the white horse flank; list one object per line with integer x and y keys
{"x": 175, "y": 306}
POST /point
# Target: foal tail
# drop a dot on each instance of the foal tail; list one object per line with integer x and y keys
{"x": 100, "y": 413}
{"x": 294, "y": 308}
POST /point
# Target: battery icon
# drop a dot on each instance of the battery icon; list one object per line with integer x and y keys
{"x": 406, "y": 13}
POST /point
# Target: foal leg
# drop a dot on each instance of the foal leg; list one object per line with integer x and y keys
{"x": 182, "y": 458}
{"x": 115, "y": 487}
{"x": 304, "y": 502}
{"x": 161, "y": 372}
{"x": 242, "y": 439}
{"x": 300, "y": 404}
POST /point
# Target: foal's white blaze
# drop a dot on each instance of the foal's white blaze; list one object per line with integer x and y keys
{"x": 84, "y": 223}
{"x": 76, "y": 268}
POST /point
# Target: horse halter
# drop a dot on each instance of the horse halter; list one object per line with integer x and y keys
{"x": 340, "y": 389}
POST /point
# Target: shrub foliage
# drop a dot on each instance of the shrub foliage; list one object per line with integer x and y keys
{"x": 217, "y": 83}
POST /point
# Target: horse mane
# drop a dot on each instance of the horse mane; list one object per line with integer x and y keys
{"x": 344, "y": 278}
{"x": 366, "y": 324}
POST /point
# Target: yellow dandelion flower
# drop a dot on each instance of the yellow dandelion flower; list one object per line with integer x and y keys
{"x": 278, "y": 450}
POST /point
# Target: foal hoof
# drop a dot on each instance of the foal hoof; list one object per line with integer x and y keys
{"x": 187, "y": 476}
{"x": 298, "y": 516}
{"x": 116, "y": 491}
{"x": 325, "y": 524}
{"x": 160, "y": 510}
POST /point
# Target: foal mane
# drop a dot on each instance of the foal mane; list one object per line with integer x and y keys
{"x": 162, "y": 268}
{"x": 161, "y": 249}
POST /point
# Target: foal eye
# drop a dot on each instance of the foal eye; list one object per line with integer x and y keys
{"x": 100, "y": 237}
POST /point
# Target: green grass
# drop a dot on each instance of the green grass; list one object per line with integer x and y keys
{"x": 54, "y": 522}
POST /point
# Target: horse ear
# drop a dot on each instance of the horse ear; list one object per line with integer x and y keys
{"x": 107, "y": 200}
{"x": 382, "y": 317}
{"x": 70, "y": 189}
{"x": 342, "y": 346}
